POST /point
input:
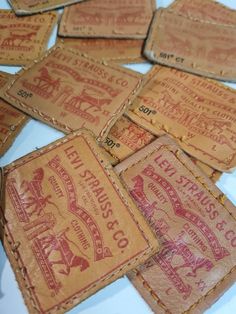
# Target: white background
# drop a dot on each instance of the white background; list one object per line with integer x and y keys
{"x": 119, "y": 297}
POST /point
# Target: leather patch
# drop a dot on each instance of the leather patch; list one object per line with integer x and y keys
{"x": 25, "y": 7}
{"x": 11, "y": 119}
{"x": 109, "y": 50}
{"x": 125, "y": 138}
{"x": 108, "y": 18}
{"x": 197, "y": 112}
{"x": 70, "y": 91}
{"x": 68, "y": 238}
{"x": 206, "y": 10}
{"x": 24, "y": 39}
{"x": 194, "y": 223}
{"x": 200, "y": 47}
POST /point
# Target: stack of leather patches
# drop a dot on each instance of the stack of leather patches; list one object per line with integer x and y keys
{"x": 194, "y": 40}
{"x": 130, "y": 189}
{"x": 110, "y": 30}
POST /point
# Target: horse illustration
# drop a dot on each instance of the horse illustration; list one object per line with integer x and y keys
{"x": 60, "y": 243}
{"x": 173, "y": 248}
{"x": 20, "y": 38}
{"x": 92, "y": 101}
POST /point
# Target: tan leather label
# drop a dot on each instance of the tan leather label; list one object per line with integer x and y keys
{"x": 24, "y": 39}
{"x": 70, "y": 91}
{"x": 108, "y": 18}
{"x": 115, "y": 50}
{"x": 198, "y": 113}
{"x": 64, "y": 226}
{"x": 191, "y": 45}
{"x": 194, "y": 222}
{"x": 206, "y": 10}
{"x": 11, "y": 119}
{"x": 125, "y": 138}
{"x": 24, "y": 7}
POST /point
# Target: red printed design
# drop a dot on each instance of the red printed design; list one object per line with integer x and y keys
{"x": 199, "y": 123}
{"x": 218, "y": 251}
{"x": 140, "y": 197}
{"x": 94, "y": 96}
{"x": 55, "y": 249}
{"x": 132, "y": 136}
{"x": 174, "y": 250}
{"x": 30, "y": 199}
{"x": 95, "y": 16}
{"x": 100, "y": 251}
{"x": 18, "y": 39}
{"x": 176, "y": 254}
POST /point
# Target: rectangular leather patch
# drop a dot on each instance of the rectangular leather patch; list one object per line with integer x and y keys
{"x": 11, "y": 119}
{"x": 200, "y": 47}
{"x": 70, "y": 91}
{"x": 110, "y": 50}
{"x": 68, "y": 238}
{"x": 24, "y": 39}
{"x": 197, "y": 112}
{"x": 125, "y": 138}
{"x": 206, "y": 10}
{"x": 194, "y": 223}
{"x": 25, "y": 7}
{"x": 108, "y": 19}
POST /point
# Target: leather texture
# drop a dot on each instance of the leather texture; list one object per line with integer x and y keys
{"x": 213, "y": 174}
{"x": 197, "y": 112}
{"x": 26, "y": 7}
{"x": 24, "y": 39}
{"x": 11, "y": 119}
{"x": 108, "y": 19}
{"x": 70, "y": 91}
{"x": 194, "y": 223}
{"x": 109, "y": 50}
{"x": 206, "y": 10}
{"x": 125, "y": 138}
{"x": 196, "y": 46}
{"x": 63, "y": 233}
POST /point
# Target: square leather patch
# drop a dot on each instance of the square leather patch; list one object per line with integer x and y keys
{"x": 109, "y": 50}
{"x": 194, "y": 223}
{"x": 23, "y": 39}
{"x": 198, "y": 113}
{"x": 108, "y": 18}
{"x": 70, "y": 91}
{"x": 11, "y": 119}
{"x": 71, "y": 226}
{"x": 125, "y": 138}
{"x": 206, "y": 10}
{"x": 196, "y": 46}
{"x": 26, "y": 7}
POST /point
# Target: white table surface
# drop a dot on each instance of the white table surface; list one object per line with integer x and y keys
{"x": 119, "y": 297}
